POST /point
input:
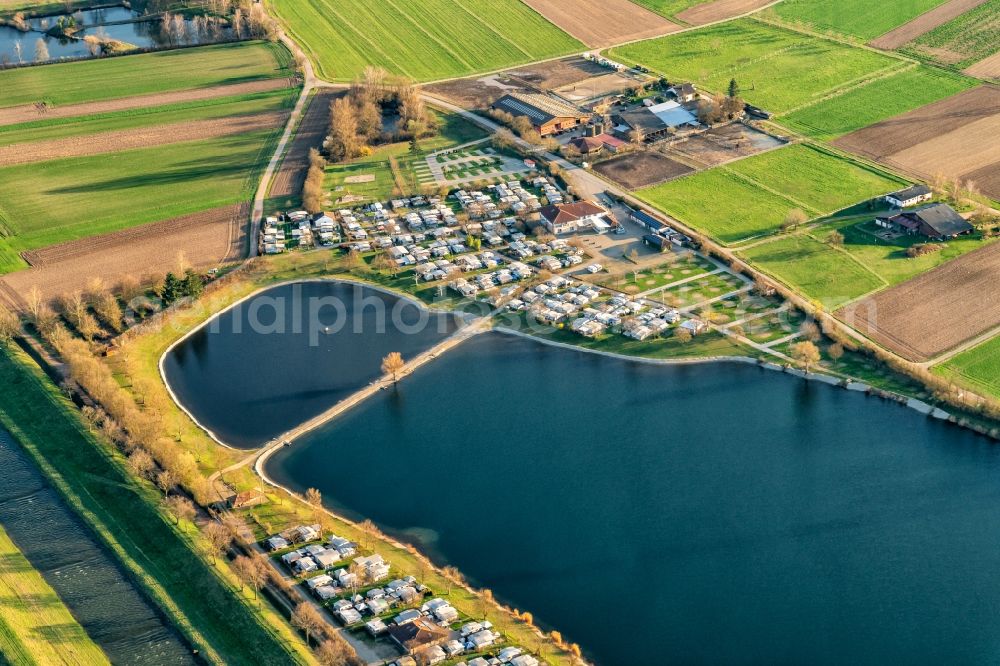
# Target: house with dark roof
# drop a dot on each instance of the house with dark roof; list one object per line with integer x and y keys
{"x": 589, "y": 145}
{"x": 547, "y": 115}
{"x": 418, "y": 635}
{"x": 911, "y": 196}
{"x": 683, "y": 93}
{"x": 646, "y": 124}
{"x": 936, "y": 221}
{"x": 570, "y": 218}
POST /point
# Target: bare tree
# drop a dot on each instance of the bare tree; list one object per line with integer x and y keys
{"x": 166, "y": 481}
{"x": 806, "y": 354}
{"x": 181, "y": 507}
{"x": 10, "y": 325}
{"x": 141, "y": 463}
{"x": 219, "y": 538}
{"x": 41, "y": 50}
{"x": 393, "y": 364}
{"x": 314, "y": 498}
{"x": 308, "y": 620}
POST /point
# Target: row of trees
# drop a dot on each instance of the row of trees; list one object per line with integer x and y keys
{"x": 312, "y": 188}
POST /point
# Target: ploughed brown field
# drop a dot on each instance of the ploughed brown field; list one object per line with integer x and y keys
{"x": 924, "y": 24}
{"x": 288, "y": 180}
{"x": 955, "y": 137}
{"x": 635, "y": 170}
{"x": 599, "y": 23}
{"x": 988, "y": 68}
{"x": 720, "y": 10}
{"x": 924, "y": 317}
{"x": 144, "y": 137}
{"x": 28, "y": 112}
{"x": 208, "y": 238}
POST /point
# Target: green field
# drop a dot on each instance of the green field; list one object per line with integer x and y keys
{"x": 112, "y": 78}
{"x": 670, "y": 8}
{"x": 35, "y": 625}
{"x": 876, "y": 101}
{"x": 751, "y": 197}
{"x": 814, "y": 268}
{"x": 863, "y": 19}
{"x": 817, "y": 180}
{"x": 125, "y": 514}
{"x": 964, "y": 40}
{"x": 778, "y": 69}
{"x": 978, "y": 367}
{"x": 423, "y": 40}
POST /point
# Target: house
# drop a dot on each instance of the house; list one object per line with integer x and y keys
{"x": 570, "y": 218}
{"x": 935, "y": 221}
{"x": 548, "y": 116}
{"x": 376, "y": 627}
{"x": 911, "y": 196}
{"x": 684, "y": 93}
{"x": 247, "y": 499}
{"x": 587, "y": 145}
{"x": 694, "y": 326}
{"x": 418, "y": 635}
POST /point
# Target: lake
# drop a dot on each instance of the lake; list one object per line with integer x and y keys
{"x": 715, "y": 513}
{"x": 292, "y": 352}
{"x": 93, "y": 585}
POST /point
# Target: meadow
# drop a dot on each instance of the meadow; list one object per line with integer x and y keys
{"x": 880, "y": 99}
{"x": 669, "y": 8}
{"x": 978, "y": 367}
{"x": 35, "y": 625}
{"x": 964, "y": 40}
{"x": 111, "y": 78}
{"x": 816, "y": 269}
{"x": 863, "y": 19}
{"x": 777, "y": 69}
{"x": 426, "y": 40}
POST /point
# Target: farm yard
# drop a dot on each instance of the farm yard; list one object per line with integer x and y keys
{"x": 954, "y": 137}
{"x": 137, "y": 160}
{"x": 933, "y": 313}
{"x": 862, "y": 19}
{"x": 425, "y": 41}
{"x": 599, "y": 23}
{"x": 724, "y": 143}
{"x": 779, "y": 69}
{"x": 634, "y": 171}
{"x": 752, "y": 197}
{"x": 966, "y": 39}
{"x": 978, "y": 368}
{"x": 875, "y": 101}
{"x": 939, "y": 15}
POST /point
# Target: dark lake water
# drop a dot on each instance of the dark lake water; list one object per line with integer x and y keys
{"x": 94, "y": 587}
{"x": 100, "y": 22}
{"x": 697, "y": 515}
{"x": 291, "y": 353}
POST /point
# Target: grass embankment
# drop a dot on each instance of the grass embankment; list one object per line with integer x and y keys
{"x": 862, "y": 19}
{"x": 125, "y": 514}
{"x": 778, "y": 69}
{"x": 425, "y": 40}
{"x": 113, "y": 78}
{"x": 35, "y": 625}
{"x": 752, "y": 197}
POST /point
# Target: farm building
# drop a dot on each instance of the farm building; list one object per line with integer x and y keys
{"x": 570, "y": 218}
{"x": 548, "y": 116}
{"x": 684, "y": 93}
{"x": 936, "y": 221}
{"x": 911, "y": 196}
{"x": 654, "y": 122}
{"x": 418, "y": 635}
{"x": 589, "y": 145}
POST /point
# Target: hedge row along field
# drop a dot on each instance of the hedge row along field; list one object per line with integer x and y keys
{"x": 876, "y": 101}
{"x": 752, "y": 197}
{"x": 423, "y": 40}
{"x": 863, "y": 19}
{"x": 963, "y": 41}
{"x": 778, "y": 69}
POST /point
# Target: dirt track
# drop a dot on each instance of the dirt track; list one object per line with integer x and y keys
{"x": 719, "y": 10}
{"x": 635, "y": 170}
{"x": 924, "y": 24}
{"x": 144, "y": 137}
{"x": 955, "y": 137}
{"x": 600, "y": 23}
{"x": 937, "y": 311}
{"x": 207, "y": 239}
{"x": 986, "y": 69}
{"x": 27, "y": 112}
{"x": 312, "y": 129}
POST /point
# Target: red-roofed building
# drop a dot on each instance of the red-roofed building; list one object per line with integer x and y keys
{"x": 570, "y": 218}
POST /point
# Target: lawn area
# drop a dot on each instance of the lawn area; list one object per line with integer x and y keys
{"x": 821, "y": 181}
{"x": 966, "y": 39}
{"x": 863, "y": 19}
{"x": 720, "y": 204}
{"x": 48, "y": 202}
{"x": 676, "y": 266}
{"x": 876, "y": 101}
{"x": 705, "y": 288}
{"x": 421, "y": 39}
{"x": 35, "y": 625}
{"x": 112, "y": 78}
{"x": 978, "y": 367}
{"x": 126, "y": 516}
{"x": 815, "y": 269}
{"x": 779, "y": 69}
